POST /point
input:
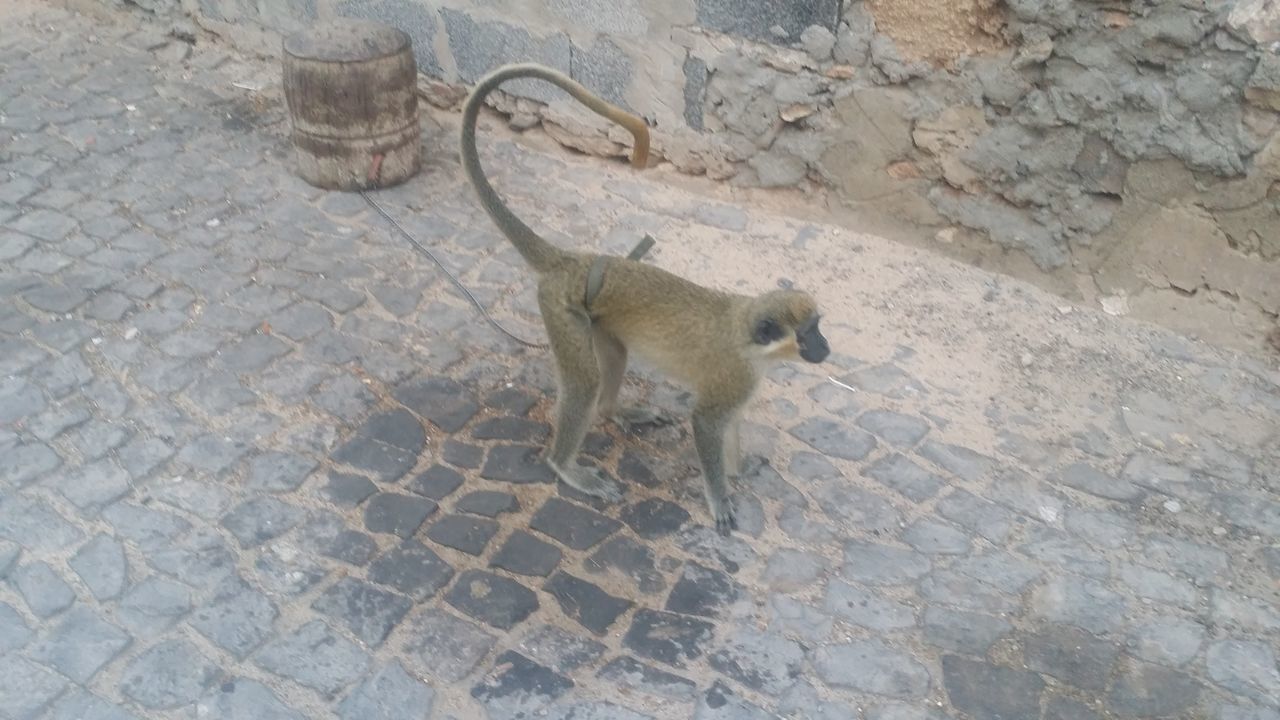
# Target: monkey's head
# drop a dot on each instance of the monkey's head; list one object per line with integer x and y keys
{"x": 784, "y": 326}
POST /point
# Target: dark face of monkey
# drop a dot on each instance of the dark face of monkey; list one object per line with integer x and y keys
{"x": 810, "y": 344}
{"x": 784, "y": 326}
{"x": 813, "y": 345}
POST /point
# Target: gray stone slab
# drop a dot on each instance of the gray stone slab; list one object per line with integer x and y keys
{"x": 387, "y": 695}
{"x": 153, "y": 606}
{"x": 560, "y": 649}
{"x": 169, "y": 675}
{"x": 81, "y": 645}
{"x": 236, "y": 618}
{"x": 45, "y": 593}
{"x": 245, "y": 699}
{"x": 315, "y": 656}
{"x": 25, "y": 687}
{"x": 367, "y": 611}
{"x": 993, "y": 691}
{"x": 764, "y": 662}
{"x": 446, "y": 646}
{"x": 873, "y": 667}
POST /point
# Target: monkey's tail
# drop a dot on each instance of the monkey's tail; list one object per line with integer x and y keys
{"x": 535, "y": 249}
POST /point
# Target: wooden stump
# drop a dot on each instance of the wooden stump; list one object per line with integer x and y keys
{"x": 351, "y": 88}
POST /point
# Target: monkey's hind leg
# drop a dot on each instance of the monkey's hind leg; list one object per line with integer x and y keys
{"x": 579, "y": 375}
{"x": 612, "y": 356}
{"x": 710, "y": 426}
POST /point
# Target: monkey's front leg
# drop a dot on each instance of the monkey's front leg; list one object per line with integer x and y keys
{"x": 709, "y": 429}
{"x": 733, "y": 447}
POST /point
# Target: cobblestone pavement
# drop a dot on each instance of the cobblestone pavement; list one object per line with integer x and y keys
{"x": 260, "y": 461}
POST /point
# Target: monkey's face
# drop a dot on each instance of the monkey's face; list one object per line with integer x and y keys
{"x": 780, "y": 340}
{"x": 785, "y": 327}
{"x": 810, "y": 341}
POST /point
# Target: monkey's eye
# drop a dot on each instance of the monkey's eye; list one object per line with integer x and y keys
{"x": 767, "y": 331}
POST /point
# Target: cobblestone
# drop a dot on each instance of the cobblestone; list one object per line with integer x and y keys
{"x": 488, "y": 503}
{"x": 1071, "y": 655}
{"x": 447, "y": 647}
{"x": 153, "y": 606}
{"x": 467, "y": 534}
{"x": 413, "y": 569}
{"x": 516, "y": 464}
{"x": 45, "y": 593}
{"x": 763, "y": 662}
{"x": 865, "y": 608}
{"x": 259, "y": 520}
{"x": 592, "y": 607}
{"x": 963, "y": 632}
{"x": 396, "y": 514}
{"x": 81, "y": 645}
{"x": 871, "y": 666}
{"x": 26, "y": 688}
{"x": 387, "y": 695}
{"x": 631, "y": 674}
{"x": 260, "y": 460}
{"x": 519, "y": 687}
{"x": 330, "y": 537}
{"x": 573, "y": 525}
{"x": 315, "y": 656}
{"x": 169, "y": 675}
{"x": 278, "y": 472}
{"x": 492, "y": 599}
{"x": 367, "y": 611}
{"x": 559, "y": 649}
{"x": 667, "y": 637}
{"x": 702, "y": 591}
{"x": 987, "y": 690}
{"x": 14, "y": 631}
{"x": 1146, "y": 690}
{"x": 86, "y": 706}
{"x": 240, "y": 698}
{"x": 833, "y": 439}
{"x": 949, "y": 588}
{"x": 527, "y": 555}
{"x": 238, "y": 618}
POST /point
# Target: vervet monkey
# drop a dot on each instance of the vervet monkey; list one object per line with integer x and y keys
{"x": 597, "y": 308}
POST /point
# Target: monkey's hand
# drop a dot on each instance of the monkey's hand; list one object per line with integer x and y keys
{"x": 591, "y": 481}
{"x": 631, "y": 419}
{"x": 722, "y": 511}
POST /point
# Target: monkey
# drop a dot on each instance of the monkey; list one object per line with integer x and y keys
{"x": 599, "y": 308}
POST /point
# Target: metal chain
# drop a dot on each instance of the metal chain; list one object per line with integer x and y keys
{"x": 452, "y": 278}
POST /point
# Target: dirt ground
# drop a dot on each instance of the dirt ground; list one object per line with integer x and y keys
{"x": 940, "y": 31}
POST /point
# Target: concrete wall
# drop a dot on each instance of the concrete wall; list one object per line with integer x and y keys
{"x": 1135, "y": 142}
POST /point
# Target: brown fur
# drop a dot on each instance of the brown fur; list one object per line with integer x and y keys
{"x": 716, "y": 343}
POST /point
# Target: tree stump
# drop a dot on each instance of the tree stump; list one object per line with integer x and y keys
{"x": 351, "y": 87}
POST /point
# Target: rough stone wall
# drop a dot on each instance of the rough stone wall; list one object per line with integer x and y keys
{"x": 1131, "y": 143}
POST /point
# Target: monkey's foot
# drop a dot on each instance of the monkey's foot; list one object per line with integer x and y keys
{"x": 631, "y": 419}
{"x": 726, "y": 521}
{"x": 591, "y": 481}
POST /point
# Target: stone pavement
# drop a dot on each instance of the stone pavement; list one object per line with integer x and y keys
{"x": 258, "y": 460}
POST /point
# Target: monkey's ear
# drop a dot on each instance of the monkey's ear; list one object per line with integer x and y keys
{"x": 766, "y": 331}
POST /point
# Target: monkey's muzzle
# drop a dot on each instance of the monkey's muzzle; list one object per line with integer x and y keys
{"x": 813, "y": 345}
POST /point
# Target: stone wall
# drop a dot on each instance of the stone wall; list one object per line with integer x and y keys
{"x": 1131, "y": 144}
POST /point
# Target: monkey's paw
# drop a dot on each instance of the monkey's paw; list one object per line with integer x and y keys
{"x": 726, "y": 521}
{"x": 593, "y": 482}
{"x": 631, "y": 419}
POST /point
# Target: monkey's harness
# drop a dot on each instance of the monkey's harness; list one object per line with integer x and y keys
{"x": 595, "y": 275}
